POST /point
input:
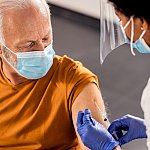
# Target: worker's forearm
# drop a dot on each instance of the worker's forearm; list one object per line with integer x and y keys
{"x": 117, "y": 148}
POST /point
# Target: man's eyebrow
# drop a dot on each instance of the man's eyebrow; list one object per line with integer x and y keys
{"x": 28, "y": 41}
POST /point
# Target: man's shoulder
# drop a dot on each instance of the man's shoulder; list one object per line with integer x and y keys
{"x": 66, "y": 62}
{"x": 70, "y": 66}
{"x": 64, "y": 59}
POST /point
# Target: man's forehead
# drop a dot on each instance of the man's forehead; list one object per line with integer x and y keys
{"x": 26, "y": 25}
{"x": 15, "y": 16}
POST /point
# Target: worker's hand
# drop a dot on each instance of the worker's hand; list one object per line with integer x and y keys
{"x": 94, "y": 135}
{"x": 133, "y": 125}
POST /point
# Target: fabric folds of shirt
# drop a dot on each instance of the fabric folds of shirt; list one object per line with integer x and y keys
{"x": 36, "y": 114}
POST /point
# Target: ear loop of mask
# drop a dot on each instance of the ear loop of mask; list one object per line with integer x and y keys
{"x": 132, "y": 33}
{"x": 142, "y": 34}
{"x": 126, "y": 25}
{"x": 13, "y": 64}
{"x": 9, "y": 49}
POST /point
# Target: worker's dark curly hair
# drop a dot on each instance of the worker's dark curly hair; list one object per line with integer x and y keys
{"x": 137, "y": 8}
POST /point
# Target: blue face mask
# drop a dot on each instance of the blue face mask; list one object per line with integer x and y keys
{"x": 30, "y": 65}
{"x": 139, "y": 44}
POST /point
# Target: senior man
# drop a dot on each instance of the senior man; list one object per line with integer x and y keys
{"x": 40, "y": 92}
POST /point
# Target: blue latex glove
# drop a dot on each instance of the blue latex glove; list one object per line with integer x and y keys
{"x": 94, "y": 135}
{"x": 133, "y": 125}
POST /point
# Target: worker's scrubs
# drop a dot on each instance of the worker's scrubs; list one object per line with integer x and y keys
{"x": 145, "y": 104}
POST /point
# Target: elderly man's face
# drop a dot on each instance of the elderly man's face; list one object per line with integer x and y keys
{"x": 27, "y": 30}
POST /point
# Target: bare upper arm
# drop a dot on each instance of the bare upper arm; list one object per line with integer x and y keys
{"x": 86, "y": 99}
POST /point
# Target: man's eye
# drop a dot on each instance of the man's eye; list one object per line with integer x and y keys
{"x": 30, "y": 45}
{"x": 44, "y": 39}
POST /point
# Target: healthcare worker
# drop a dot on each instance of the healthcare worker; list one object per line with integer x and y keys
{"x": 132, "y": 26}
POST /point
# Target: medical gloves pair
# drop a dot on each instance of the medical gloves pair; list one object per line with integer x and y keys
{"x": 96, "y": 137}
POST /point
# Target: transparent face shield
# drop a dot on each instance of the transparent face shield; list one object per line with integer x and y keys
{"x": 111, "y": 35}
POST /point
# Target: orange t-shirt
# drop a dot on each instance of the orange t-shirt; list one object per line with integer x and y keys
{"x": 36, "y": 114}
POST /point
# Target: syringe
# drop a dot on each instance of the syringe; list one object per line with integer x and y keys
{"x": 104, "y": 116}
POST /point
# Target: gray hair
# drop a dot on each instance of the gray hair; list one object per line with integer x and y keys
{"x": 6, "y": 5}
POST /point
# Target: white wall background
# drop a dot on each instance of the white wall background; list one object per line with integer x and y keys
{"x": 87, "y": 7}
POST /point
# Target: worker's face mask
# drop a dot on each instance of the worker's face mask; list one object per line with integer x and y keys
{"x": 30, "y": 65}
{"x": 139, "y": 44}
